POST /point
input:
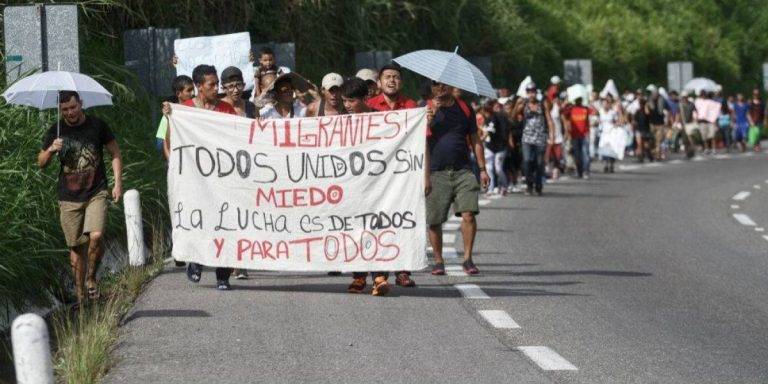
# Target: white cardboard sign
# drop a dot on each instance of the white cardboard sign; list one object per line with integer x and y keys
{"x": 220, "y": 51}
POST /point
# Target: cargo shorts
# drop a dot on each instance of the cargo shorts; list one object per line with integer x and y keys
{"x": 458, "y": 187}
{"x": 78, "y": 219}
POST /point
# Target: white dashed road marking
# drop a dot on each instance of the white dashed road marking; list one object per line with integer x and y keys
{"x": 741, "y": 195}
{"x": 756, "y": 186}
{"x": 734, "y": 206}
{"x": 722, "y": 157}
{"x": 759, "y": 229}
{"x": 699, "y": 158}
{"x": 676, "y": 161}
{"x": 744, "y": 219}
{"x": 495, "y": 197}
{"x": 471, "y": 291}
{"x": 629, "y": 167}
{"x": 483, "y": 203}
{"x": 450, "y": 253}
{"x": 451, "y": 226}
{"x": 455, "y": 270}
{"x": 547, "y": 359}
{"x": 765, "y": 237}
{"x": 654, "y": 165}
{"x": 499, "y": 319}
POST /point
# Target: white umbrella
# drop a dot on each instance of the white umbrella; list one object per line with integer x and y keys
{"x": 578, "y": 91}
{"x": 700, "y": 84}
{"x": 523, "y": 85}
{"x": 610, "y": 89}
{"x": 42, "y": 90}
{"x": 448, "y": 68}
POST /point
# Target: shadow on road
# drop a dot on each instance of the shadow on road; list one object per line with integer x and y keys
{"x": 167, "y": 313}
{"x": 584, "y": 272}
{"x": 431, "y": 291}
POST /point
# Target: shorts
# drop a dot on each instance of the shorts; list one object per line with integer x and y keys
{"x": 690, "y": 128}
{"x": 708, "y": 130}
{"x": 457, "y": 187}
{"x": 78, "y": 219}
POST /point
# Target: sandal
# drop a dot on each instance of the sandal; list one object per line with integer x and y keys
{"x": 93, "y": 293}
{"x": 470, "y": 268}
{"x": 438, "y": 269}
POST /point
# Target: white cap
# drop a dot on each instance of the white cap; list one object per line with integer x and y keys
{"x": 332, "y": 80}
{"x": 555, "y": 79}
{"x": 651, "y": 88}
{"x": 367, "y": 74}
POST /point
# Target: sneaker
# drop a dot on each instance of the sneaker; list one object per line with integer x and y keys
{"x": 357, "y": 286}
{"x": 240, "y": 274}
{"x": 586, "y": 176}
{"x": 380, "y": 286}
{"x": 223, "y": 285}
{"x": 470, "y": 268}
{"x": 193, "y": 272}
{"x": 403, "y": 279}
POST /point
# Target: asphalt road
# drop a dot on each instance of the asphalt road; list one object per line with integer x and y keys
{"x": 643, "y": 276}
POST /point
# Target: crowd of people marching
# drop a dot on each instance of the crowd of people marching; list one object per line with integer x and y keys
{"x": 517, "y": 142}
{"x": 508, "y": 144}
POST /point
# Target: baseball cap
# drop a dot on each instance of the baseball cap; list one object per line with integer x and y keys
{"x": 555, "y": 79}
{"x": 367, "y": 74}
{"x": 530, "y": 86}
{"x": 332, "y": 80}
{"x": 230, "y": 74}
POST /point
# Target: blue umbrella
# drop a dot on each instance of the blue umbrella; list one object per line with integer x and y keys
{"x": 448, "y": 68}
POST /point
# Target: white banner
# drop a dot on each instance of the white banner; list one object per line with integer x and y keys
{"x": 335, "y": 193}
{"x": 220, "y": 51}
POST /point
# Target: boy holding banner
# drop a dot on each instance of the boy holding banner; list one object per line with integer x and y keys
{"x": 354, "y": 91}
{"x": 207, "y": 83}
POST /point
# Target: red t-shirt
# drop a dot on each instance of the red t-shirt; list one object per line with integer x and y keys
{"x": 379, "y": 103}
{"x": 578, "y": 115}
{"x": 222, "y": 106}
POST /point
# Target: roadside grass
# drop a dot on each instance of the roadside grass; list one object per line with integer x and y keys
{"x": 85, "y": 338}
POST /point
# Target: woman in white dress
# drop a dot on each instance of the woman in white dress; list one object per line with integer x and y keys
{"x": 611, "y": 117}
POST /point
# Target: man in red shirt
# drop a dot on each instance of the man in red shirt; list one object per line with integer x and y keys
{"x": 390, "y": 99}
{"x": 577, "y": 119}
{"x": 207, "y": 83}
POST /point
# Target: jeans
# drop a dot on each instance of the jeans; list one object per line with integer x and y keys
{"x": 494, "y": 162}
{"x": 533, "y": 160}
{"x": 581, "y": 155}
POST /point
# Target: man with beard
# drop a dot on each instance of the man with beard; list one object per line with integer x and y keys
{"x": 390, "y": 99}
{"x": 82, "y": 185}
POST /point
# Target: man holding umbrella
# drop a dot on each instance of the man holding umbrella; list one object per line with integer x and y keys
{"x": 451, "y": 133}
{"x": 79, "y": 141}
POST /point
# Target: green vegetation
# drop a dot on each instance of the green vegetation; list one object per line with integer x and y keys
{"x": 629, "y": 41}
{"x": 85, "y": 338}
